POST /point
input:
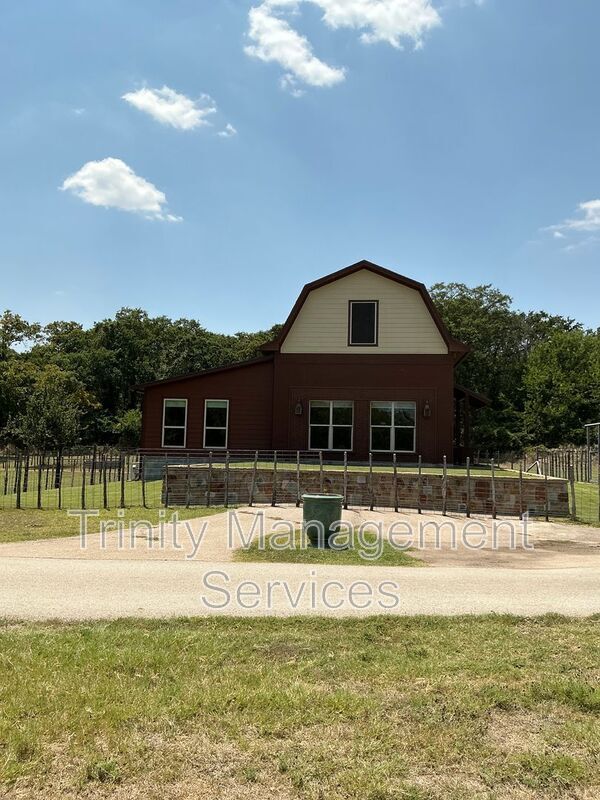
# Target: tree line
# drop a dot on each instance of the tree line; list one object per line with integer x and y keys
{"x": 62, "y": 384}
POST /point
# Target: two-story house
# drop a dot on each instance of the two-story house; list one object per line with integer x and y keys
{"x": 363, "y": 364}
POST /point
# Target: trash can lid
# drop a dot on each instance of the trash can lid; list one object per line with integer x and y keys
{"x": 322, "y": 497}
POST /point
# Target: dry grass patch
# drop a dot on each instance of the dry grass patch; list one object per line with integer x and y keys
{"x": 492, "y": 708}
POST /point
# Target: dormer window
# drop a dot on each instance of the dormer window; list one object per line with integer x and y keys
{"x": 362, "y": 323}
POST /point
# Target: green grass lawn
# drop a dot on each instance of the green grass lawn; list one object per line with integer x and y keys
{"x": 71, "y": 496}
{"x": 21, "y": 525}
{"x": 586, "y": 498}
{"x": 376, "y": 552}
{"x": 383, "y": 709}
{"x": 476, "y": 472}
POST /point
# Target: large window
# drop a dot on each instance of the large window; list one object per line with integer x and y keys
{"x": 362, "y": 322}
{"x": 393, "y": 427}
{"x": 174, "y": 423}
{"x": 331, "y": 424}
{"x": 216, "y": 418}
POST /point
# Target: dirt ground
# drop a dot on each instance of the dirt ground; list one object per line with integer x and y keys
{"x": 439, "y": 541}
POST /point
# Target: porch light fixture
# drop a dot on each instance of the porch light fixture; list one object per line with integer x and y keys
{"x": 298, "y": 410}
{"x": 426, "y": 410}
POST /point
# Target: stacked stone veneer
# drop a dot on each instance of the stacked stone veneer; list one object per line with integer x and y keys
{"x": 192, "y": 486}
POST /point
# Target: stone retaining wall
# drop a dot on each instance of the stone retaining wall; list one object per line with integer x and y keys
{"x": 192, "y": 486}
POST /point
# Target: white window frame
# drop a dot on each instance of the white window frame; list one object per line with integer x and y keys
{"x": 174, "y": 427}
{"x": 374, "y": 343}
{"x": 392, "y": 427}
{"x": 212, "y": 427}
{"x": 330, "y": 427}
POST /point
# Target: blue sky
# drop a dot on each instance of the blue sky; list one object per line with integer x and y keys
{"x": 465, "y": 155}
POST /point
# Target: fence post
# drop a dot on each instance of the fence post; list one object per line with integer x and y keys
{"x": 83, "y": 486}
{"x": 468, "y": 487}
{"x": 209, "y": 481}
{"x": 104, "y": 483}
{"x": 521, "y": 503}
{"x": 372, "y": 500}
{"x": 188, "y": 483}
{"x": 420, "y": 485}
{"x": 93, "y": 467}
{"x": 226, "y": 487}
{"x": 395, "y": 459}
{"x": 444, "y": 486}
{"x": 58, "y": 479}
{"x": 598, "y": 476}
{"x": 122, "y": 465}
{"x": 494, "y": 514}
{"x": 346, "y": 479}
{"x": 321, "y": 471}
{"x": 573, "y": 498}
{"x": 297, "y": 478}
{"x": 18, "y": 481}
{"x": 166, "y": 503}
{"x": 15, "y": 480}
{"x": 546, "y": 500}
{"x": 142, "y": 469}
{"x": 274, "y": 481}
{"x": 253, "y": 484}
{"x": 39, "y": 480}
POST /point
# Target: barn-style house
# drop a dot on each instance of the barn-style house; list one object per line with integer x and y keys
{"x": 363, "y": 363}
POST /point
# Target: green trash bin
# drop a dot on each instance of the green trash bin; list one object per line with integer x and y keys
{"x": 325, "y": 509}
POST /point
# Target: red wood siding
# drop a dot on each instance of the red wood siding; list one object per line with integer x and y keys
{"x": 262, "y": 399}
{"x": 364, "y": 378}
{"x": 249, "y": 390}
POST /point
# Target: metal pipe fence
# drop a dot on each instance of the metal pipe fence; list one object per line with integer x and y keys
{"x": 108, "y": 478}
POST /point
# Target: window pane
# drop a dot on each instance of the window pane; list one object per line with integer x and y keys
{"x": 381, "y": 414}
{"x": 319, "y": 437}
{"x": 404, "y": 439}
{"x": 175, "y": 412}
{"x": 215, "y": 438}
{"x": 216, "y": 414}
{"x": 174, "y": 437}
{"x": 342, "y": 412}
{"x": 381, "y": 439}
{"x": 404, "y": 414}
{"x": 342, "y": 438}
{"x": 363, "y": 323}
{"x": 319, "y": 412}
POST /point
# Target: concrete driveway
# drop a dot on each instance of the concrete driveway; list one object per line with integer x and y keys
{"x": 545, "y": 568}
{"x": 42, "y": 588}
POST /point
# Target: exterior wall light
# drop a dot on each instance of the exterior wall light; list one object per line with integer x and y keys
{"x": 298, "y": 411}
{"x": 426, "y": 410}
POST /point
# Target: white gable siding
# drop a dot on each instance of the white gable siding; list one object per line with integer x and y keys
{"x": 405, "y": 324}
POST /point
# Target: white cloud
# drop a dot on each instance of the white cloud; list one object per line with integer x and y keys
{"x": 390, "y": 21}
{"x": 275, "y": 40}
{"x": 228, "y": 131}
{"x": 113, "y": 184}
{"x": 587, "y": 221}
{"x": 382, "y": 20}
{"x": 171, "y": 108}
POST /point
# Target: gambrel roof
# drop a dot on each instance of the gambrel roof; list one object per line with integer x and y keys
{"x": 454, "y": 345}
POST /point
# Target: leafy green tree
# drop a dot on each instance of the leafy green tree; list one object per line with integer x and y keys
{"x": 51, "y": 416}
{"x": 501, "y": 340}
{"x": 128, "y": 428}
{"x": 562, "y": 386}
{"x": 14, "y": 330}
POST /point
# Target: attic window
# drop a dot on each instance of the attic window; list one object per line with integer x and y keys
{"x": 362, "y": 323}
